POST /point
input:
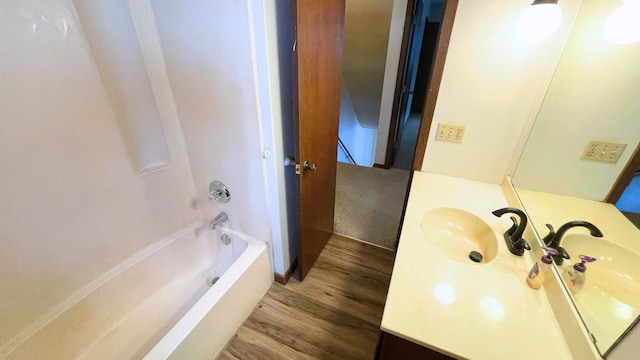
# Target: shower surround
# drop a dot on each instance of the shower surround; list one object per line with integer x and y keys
{"x": 85, "y": 237}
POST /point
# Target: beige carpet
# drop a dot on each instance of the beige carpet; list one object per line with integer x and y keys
{"x": 369, "y": 203}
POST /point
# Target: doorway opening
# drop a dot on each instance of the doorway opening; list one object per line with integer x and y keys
{"x": 625, "y": 194}
{"x": 409, "y": 100}
{"x": 383, "y": 96}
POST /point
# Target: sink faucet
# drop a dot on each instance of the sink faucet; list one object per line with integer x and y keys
{"x": 553, "y": 239}
{"x": 513, "y": 236}
{"x": 218, "y": 220}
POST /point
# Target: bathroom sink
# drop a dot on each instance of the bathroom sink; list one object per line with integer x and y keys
{"x": 616, "y": 272}
{"x": 456, "y": 233}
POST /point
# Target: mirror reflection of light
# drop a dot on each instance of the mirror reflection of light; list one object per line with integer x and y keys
{"x": 622, "y": 26}
{"x": 491, "y": 308}
{"x": 539, "y": 22}
{"x": 624, "y": 311}
{"x": 445, "y": 293}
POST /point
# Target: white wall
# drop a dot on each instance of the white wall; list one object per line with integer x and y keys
{"x": 209, "y": 52}
{"x": 593, "y": 96}
{"x": 366, "y": 33}
{"x": 359, "y": 141}
{"x": 494, "y": 84}
{"x": 72, "y": 206}
{"x": 396, "y": 30}
{"x": 278, "y": 129}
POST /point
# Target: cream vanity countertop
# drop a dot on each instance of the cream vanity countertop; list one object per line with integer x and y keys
{"x": 607, "y": 316}
{"x": 473, "y": 311}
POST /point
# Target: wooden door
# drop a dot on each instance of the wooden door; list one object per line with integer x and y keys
{"x": 317, "y": 64}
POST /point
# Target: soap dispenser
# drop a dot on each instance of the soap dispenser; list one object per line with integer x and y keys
{"x": 574, "y": 276}
{"x": 540, "y": 270}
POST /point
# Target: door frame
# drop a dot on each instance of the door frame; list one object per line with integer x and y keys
{"x": 625, "y": 177}
{"x": 444, "y": 38}
{"x": 437, "y": 69}
{"x": 402, "y": 65}
{"x": 431, "y": 97}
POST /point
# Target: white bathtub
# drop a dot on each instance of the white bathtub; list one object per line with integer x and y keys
{"x": 204, "y": 331}
{"x": 158, "y": 304}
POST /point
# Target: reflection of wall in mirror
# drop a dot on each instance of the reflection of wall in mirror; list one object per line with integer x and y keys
{"x": 593, "y": 96}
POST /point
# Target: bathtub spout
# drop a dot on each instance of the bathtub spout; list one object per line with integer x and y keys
{"x": 218, "y": 220}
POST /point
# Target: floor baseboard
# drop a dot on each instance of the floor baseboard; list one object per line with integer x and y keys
{"x": 362, "y": 241}
{"x": 283, "y": 279}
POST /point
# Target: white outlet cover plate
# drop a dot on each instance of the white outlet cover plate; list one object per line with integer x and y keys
{"x": 606, "y": 151}
{"x": 450, "y": 132}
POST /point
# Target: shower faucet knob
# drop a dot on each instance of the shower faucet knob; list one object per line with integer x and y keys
{"x": 219, "y": 192}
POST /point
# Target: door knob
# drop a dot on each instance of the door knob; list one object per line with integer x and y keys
{"x": 289, "y": 161}
{"x": 310, "y": 167}
{"x": 300, "y": 169}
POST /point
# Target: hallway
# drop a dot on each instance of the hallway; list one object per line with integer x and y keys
{"x": 369, "y": 203}
{"x": 403, "y": 158}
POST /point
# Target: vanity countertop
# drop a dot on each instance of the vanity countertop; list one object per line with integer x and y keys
{"x": 606, "y": 313}
{"x": 473, "y": 311}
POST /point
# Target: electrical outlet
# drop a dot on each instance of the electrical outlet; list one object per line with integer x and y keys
{"x": 603, "y": 151}
{"x": 450, "y": 132}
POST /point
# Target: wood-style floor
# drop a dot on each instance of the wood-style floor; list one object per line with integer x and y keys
{"x": 334, "y": 313}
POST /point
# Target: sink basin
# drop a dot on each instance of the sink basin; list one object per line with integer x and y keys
{"x": 616, "y": 272}
{"x": 457, "y": 232}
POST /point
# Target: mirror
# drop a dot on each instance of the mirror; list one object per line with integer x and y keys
{"x": 592, "y": 96}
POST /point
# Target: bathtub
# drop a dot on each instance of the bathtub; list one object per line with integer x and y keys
{"x": 158, "y": 304}
{"x": 209, "y": 325}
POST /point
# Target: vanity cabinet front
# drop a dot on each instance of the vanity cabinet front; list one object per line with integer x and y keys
{"x": 391, "y": 347}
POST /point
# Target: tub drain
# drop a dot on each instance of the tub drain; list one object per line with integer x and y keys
{"x": 225, "y": 238}
{"x": 475, "y": 256}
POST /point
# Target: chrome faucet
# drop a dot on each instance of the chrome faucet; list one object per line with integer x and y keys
{"x": 513, "y": 236}
{"x": 553, "y": 239}
{"x": 218, "y": 220}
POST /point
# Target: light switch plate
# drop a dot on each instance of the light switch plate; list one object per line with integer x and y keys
{"x": 450, "y": 132}
{"x": 606, "y": 151}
